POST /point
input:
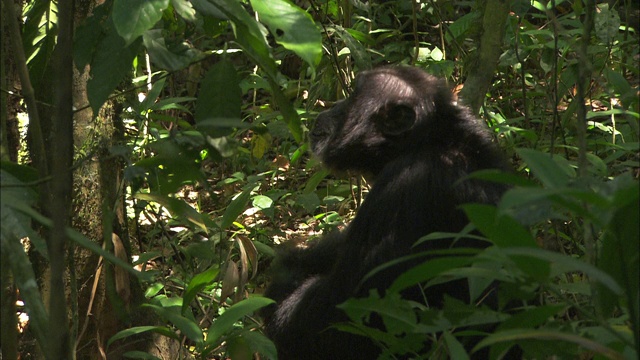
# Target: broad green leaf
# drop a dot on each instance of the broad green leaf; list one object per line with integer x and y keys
{"x": 111, "y": 63}
{"x": 198, "y": 283}
{"x": 235, "y": 313}
{"x": 314, "y": 180}
{"x": 258, "y": 343}
{"x": 501, "y": 229}
{"x": 81, "y": 240}
{"x": 219, "y": 97}
{"x": 175, "y": 58}
{"x": 133, "y": 17}
{"x": 606, "y": 23}
{"x": 619, "y": 255}
{"x": 288, "y": 112}
{"x": 24, "y": 277}
{"x": 549, "y": 335}
{"x": 561, "y": 264}
{"x": 142, "y": 329}
{"x": 308, "y": 201}
{"x": 88, "y": 35}
{"x": 359, "y": 53}
{"x": 235, "y": 208}
{"x": 249, "y": 33}
{"x": 397, "y": 314}
{"x": 262, "y": 202}
{"x": 428, "y": 270}
{"x": 185, "y": 9}
{"x": 16, "y": 224}
{"x": 292, "y": 27}
{"x": 462, "y": 24}
{"x": 178, "y": 208}
{"x": 545, "y": 168}
{"x": 187, "y": 326}
{"x": 456, "y": 350}
{"x": 532, "y": 317}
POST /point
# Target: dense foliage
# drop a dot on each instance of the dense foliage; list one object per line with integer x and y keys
{"x": 215, "y": 99}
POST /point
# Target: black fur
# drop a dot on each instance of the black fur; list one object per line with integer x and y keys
{"x": 401, "y": 129}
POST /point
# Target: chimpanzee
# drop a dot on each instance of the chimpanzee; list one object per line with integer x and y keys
{"x": 401, "y": 129}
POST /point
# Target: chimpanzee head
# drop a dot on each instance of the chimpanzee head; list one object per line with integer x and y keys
{"x": 389, "y": 111}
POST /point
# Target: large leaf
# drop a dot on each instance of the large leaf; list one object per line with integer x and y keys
{"x": 292, "y": 27}
{"x": 502, "y": 229}
{"x": 196, "y": 284}
{"x": 111, "y": 63}
{"x": 188, "y": 327}
{"x": 547, "y": 169}
{"x": 234, "y": 314}
{"x": 178, "y": 208}
{"x": 173, "y": 57}
{"x": 133, "y": 17}
{"x": 219, "y": 100}
{"x": 236, "y": 207}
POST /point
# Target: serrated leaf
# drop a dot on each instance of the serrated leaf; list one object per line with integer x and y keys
{"x": 133, "y": 17}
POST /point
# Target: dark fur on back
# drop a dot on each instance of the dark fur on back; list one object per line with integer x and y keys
{"x": 401, "y": 129}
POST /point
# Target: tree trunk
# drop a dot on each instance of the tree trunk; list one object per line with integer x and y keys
{"x": 485, "y": 60}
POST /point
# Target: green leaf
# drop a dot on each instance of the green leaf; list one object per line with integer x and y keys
{"x": 606, "y": 23}
{"x": 236, "y": 208}
{"x": 198, "y": 283}
{"x": 111, "y": 63}
{"x": 501, "y": 229}
{"x": 564, "y": 264}
{"x": 292, "y": 27}
{"x": 258, "y": 343}
{"x": 187, "y": 326}
{"x": 619, "y": 255}
{"x": 427, "y": 270}
{"x": 133, "y": 17}
{"x": 81, "y": 240}
{"x": 546, "y": 168}
{"x": 12, "y": 250}
{"x": 142, "y": 329}
{"x": 397, "y": 314}
{"x": 359, "y": 53}
{"x": 314, "y": 180}
{"x": 456, "y": 350}
{"x": 88, "y": 35}
{"x": 178, "y": 208}
{"x": 308, "y": 201}
{"x": 185, "y": 9}
{"x": 548, "y": 335}
{"x": 175, "y": 58}
{"x": 235, "y": 313}
{"x": 262, "y": 202}
{"x": 219, "y": 97}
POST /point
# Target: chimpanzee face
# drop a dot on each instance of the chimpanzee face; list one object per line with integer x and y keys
{"x": 368, "y": 129}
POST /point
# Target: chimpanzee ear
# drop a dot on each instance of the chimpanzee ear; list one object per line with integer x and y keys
{"x": 395, "y": 119}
